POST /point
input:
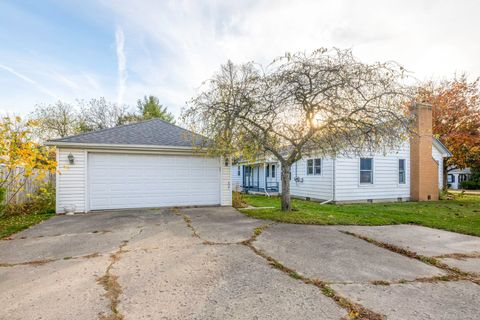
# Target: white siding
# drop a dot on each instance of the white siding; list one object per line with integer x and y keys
{"x": 439, "y": 158}
{"x": 225, "y": 185}
{"x": 313, "y": 186}
{"x": 385, "y": 184}
{"x": 71, "y": 180}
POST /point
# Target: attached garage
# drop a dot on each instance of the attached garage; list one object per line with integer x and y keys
{"x": 144, "y": 165}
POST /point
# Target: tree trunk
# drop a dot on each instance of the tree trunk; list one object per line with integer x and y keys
{"x": 286, "y": 205}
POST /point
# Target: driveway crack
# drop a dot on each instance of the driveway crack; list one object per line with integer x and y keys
{"x": 110, "y": 283}
{"x": 354, "y": 310}
{"x": 453, "y": 274}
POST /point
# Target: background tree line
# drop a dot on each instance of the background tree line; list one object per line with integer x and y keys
{"x": 62, "y": 119}
{"x": 456, "y": 123}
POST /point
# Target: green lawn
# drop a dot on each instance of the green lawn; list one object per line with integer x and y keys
{"x": 459, "y": 215}
{"x": 13, "y": 224}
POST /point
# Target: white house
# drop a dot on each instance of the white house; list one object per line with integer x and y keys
{"x": 457, "y": 176}
{"x": 146, "y": 164}
{"x": 407, "y": 173}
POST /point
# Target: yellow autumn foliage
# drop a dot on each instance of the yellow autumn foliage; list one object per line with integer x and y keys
{"x": 21, "y": 157}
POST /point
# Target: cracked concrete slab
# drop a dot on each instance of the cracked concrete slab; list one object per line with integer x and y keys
{"x": 329, "y": 255}
{"x": 59, "y": 247}
{"x": 422, "y": 240}
{"x": 422, "y": 301}
{"x": 98, "y": 222}
{"x": 214, "y": 282}
{"x": 64, "y": 289}
{"x": 222, "y": 224}
{"x": 165, "y": 271}
{"x": 471, "y": 265}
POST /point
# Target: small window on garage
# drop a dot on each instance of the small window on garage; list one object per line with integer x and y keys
{"x": 402, "y": 176}
{"x": 366, "y": 170}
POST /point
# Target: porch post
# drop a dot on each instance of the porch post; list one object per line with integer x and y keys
{"x": 265, "y": 174}
{"x": 243, "y": 177}
{"x": 258, "y": 177}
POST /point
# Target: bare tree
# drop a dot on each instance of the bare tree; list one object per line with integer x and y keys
{"x": 96, "y": 114}
{"x": 54, "y": 120}
{"x": 326, "y": 102}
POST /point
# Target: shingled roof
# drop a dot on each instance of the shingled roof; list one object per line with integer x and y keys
{"x": 154, "y": 132}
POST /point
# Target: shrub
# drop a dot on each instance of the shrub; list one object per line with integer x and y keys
{"x": 470, "y": 185}
{"x": 237, "y": 200}
{"x": 3, "y": 193}
{"x": 41, "y": 202}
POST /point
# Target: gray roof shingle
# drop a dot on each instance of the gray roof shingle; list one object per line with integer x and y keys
{"x": 154, "y": 132}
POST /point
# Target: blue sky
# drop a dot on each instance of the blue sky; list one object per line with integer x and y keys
{"x": 122, "y": 50}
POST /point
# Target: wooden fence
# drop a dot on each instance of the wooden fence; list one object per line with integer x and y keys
{"x": 30, "y": 184}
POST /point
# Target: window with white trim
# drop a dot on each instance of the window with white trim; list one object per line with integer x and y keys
{"x": 314, "y": 166}
{"x": 273, "y": 171}
{"x": 268, "y": 170}
{"x": 450, "y": 178}
{"x": 366, "y": 170}
{"x": 238, "y": 170}
{"x": 402, "y": 171}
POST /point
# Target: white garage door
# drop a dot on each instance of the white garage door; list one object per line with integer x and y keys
{"x": 117, "y": 181}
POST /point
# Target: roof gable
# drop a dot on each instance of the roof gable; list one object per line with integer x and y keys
{"x": 154, "y": 132}
{"x": 441, "y": 148}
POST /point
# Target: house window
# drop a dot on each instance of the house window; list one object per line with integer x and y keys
{"x": 366, "y": 170}
{"x": 451, "y": 178}
{"x": 273, "y": 171}
{"x": 462, "y": 177}
{"x": 401, "y": 171}
{"x": 314, "y": 166}
{"x": 309, "y": 166}
{"x": 317, "y": 166}
{"x": 267, "y": 174}
{"x": 238, "y": 170}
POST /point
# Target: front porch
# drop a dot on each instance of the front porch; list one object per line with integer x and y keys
{"x": 261, "y": 178}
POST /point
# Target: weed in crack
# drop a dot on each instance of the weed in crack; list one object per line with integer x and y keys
{"x": 354, "y": 310}
{"x": 459, "y": 256}
{"x": 111, "y": 286}
{"x": 36, "y": 263}
{"x": 453, "y": 274}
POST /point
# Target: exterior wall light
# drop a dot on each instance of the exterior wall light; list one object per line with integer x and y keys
{"x": 71, "y": 159}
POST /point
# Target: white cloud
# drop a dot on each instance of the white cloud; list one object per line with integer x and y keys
{"x": 29, "y": 80}
{"x": 121, "y": 64}
{"x": 177, "y": 45}
{"x": 173, "y": 46}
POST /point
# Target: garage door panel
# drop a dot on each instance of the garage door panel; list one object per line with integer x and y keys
{"x": 135, "y": 181}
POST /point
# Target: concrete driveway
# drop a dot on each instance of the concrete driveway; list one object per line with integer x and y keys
{"x": 214, "y": 263}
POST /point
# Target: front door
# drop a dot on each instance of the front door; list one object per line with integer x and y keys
{"x": 248, "y": 177}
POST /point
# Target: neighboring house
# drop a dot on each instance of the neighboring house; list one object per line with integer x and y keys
{"x": 456, "y": 176}
{"x": 413, "y": 172}
{"x": 146, "y": 164}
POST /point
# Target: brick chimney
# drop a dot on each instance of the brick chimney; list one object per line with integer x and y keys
{"x": 423, "y": 168}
